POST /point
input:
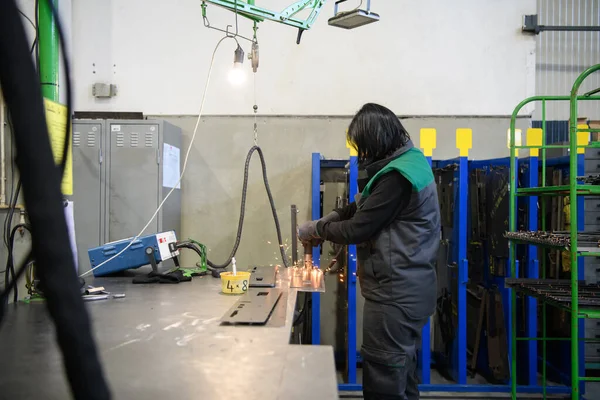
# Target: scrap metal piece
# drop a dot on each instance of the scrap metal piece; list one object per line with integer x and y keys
{"x": 262, "y": 276}
{"x": 254, "y": 308}
{"x": 307, "y": 279}
{"x": 94, "y": 297}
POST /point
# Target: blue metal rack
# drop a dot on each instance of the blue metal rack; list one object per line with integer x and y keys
{"x": 459, "y": 361}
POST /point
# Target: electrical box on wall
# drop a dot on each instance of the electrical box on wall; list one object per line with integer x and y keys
{"x": 104, "y": 90}
{"x": 122, "y": 171}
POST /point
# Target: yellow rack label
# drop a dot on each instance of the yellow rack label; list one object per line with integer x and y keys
{"x": 534, "y": 138}
{"x": 464, "y": 141}
{"x": 428, "y": 141}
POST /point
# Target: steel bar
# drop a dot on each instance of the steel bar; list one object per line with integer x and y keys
{"x": 558, "y": 291}
{"x": 590, "y": 179}
{"x": 560, "y": 239}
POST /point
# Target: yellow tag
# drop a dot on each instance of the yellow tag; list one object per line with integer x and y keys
{"x": 464, "y": 141}
{"x": 583, "y": 139}
{"x": 534, "y": 138}
{"x": 353, "y": 152}
{"x": 427, "y": 140}
{"x": 56, "y": 119}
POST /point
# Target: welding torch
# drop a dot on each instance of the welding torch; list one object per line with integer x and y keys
{"x": 308, "y": 259}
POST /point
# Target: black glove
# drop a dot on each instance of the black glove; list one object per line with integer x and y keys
{"x": 331, "y": 217}
{"x": 307, "y": 234}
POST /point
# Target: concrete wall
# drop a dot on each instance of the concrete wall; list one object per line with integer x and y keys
{"x": 423, "y": 58}
{"x": 211, "y": 189}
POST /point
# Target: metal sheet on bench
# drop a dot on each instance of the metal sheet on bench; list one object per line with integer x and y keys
{"x": 254, "y": 308}
{"x": 263, "y": 276}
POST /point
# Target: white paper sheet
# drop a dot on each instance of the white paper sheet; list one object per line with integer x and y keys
{"x": 171, "y": 166}
{"x": 69, "y": 216}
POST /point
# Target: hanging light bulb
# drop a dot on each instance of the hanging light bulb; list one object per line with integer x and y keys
{"x": 237, "y": 76}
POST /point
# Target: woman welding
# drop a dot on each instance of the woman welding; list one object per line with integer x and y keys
{"x": 396, "y": 224}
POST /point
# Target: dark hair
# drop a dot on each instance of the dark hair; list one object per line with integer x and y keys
{"x": 376, "y": 133}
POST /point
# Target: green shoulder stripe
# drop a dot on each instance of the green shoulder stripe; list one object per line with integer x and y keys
{"x": 412, "y": 165}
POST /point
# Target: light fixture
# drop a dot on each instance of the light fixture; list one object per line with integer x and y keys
{"x": 237, "y": 76}
{"x": 353, "y": 18}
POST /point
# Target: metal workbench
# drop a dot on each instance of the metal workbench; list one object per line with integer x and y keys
{"x": 165, "y": 341}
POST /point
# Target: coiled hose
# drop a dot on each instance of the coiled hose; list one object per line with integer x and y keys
{"x": 238, "y": 237}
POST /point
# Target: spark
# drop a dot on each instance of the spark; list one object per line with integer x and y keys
{"x": 268, "y": 242}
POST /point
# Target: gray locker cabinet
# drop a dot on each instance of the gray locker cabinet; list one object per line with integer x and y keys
{"x": 88, "y": 187}
{"x": 135, "y": 178}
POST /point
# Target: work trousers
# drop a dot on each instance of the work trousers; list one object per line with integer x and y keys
{"x": 389, "y": 352}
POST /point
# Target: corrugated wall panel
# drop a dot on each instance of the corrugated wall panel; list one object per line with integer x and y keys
{"x": 561, "y": 56}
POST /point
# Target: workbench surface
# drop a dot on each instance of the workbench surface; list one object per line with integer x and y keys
{"x": 165, "y": 341}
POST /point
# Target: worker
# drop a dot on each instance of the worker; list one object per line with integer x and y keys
{"x": 396, "y": 224}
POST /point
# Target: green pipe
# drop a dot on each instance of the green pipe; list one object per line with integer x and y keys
{"x": 48, "y": 50}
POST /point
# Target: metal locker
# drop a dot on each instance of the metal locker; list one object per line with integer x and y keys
{"x": 88, "y": 187}
{"x": 136, "y": 180}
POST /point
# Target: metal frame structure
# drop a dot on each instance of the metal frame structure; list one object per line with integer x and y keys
{"x": 258, "y": 14}
{"x": 578, "y": 140}
{"x": 317, "y": 165}
{"x": 460, "y": 362}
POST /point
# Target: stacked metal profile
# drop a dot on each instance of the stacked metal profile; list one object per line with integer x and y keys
{"x": 558, "y": 291}
{"x": 559, "y": 239}
{"x": 580, "y": 301}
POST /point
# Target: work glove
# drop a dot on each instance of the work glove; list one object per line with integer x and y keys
{"x": 307, "y": 234}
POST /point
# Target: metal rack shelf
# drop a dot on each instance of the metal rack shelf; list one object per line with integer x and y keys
{"x": 558, "y": 293}
{"x": 582, "y": 300}
{"x": 559, "y": 190}
{"x": 588, "y": 242}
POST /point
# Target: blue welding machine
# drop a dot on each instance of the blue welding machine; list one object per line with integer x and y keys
{"x": 149, "y": 249}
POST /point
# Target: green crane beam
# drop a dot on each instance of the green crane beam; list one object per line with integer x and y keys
{"x": 286, "y": 17}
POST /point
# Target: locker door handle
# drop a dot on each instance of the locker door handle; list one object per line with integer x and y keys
{"x": 100, "y": 157}
{"x": 157, "y": 156}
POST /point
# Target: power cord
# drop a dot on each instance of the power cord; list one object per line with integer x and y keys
{"x": 185, "y": 161}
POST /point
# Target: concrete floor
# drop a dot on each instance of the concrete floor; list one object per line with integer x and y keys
{"x": 592, "y": 390}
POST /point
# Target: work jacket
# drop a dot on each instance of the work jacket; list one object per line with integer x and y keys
{"x": 399, "y": 264}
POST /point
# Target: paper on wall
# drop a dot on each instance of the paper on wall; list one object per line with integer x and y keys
{"x": 56, "y": 119}
{"x": 171, "y": 166}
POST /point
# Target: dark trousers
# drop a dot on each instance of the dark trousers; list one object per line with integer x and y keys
{"x": 389, "y": 351}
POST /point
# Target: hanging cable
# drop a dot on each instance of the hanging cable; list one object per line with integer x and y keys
{"x": 243, "y": 211}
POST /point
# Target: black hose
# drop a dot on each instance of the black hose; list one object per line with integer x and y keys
{"x": 41, "y": 188}
{"x": 12, "y": 203}
{"x": 243, "y": 211}
{"x": 10, "y": 263}
{"x": 189, "y": 245}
